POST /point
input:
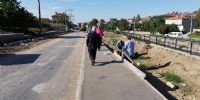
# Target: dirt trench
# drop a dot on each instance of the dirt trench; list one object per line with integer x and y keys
{"x": 159, "y": 60}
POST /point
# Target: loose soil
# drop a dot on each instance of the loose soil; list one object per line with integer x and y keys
{"x": 14, "y": 49}
{"x": 157, "y": 60}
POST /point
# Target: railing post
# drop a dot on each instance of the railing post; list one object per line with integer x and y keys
{"x": 176, "y": 44}
{"x": 191, "y": 45}
{"x": 149, "y": 39}
{"x": 156, "y": 40}
{"x": 165, "y": 42}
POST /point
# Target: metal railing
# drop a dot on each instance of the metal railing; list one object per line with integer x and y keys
{"x": 185, "y": 45}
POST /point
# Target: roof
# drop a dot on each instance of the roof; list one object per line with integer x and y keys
{"x": 58, "y": 15}
{"x": 178, "y": 17}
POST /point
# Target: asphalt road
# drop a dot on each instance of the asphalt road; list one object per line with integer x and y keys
{"x": 46, "y": 72}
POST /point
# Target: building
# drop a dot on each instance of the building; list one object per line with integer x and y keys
{"x": 44, "y": 20}
{"x": 57, "y": 16}
{"x": 142, "y": 20}
{"x": 183, "y": 22}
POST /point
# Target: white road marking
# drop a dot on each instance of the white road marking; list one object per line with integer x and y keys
{"x": 47, "y": 61}
{"x": 39, "y": 88}
{"x": 68, "y": 46}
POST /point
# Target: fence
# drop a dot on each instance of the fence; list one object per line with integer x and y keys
{"x": 185, "y": 45}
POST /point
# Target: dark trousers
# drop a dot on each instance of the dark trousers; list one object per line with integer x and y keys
{"x": 92, "y": 54}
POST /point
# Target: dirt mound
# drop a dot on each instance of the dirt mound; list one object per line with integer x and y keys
{"x": 188, "y": 68}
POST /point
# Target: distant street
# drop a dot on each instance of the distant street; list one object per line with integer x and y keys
{"x": 46, "y": 72}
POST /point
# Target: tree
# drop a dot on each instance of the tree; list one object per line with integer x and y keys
{"x": 173, "y": 28}
{"x": 138, "y": 17}
{"x": 122, "y": 24}
{"x": 165, "y": 29}
{"x": 94, "y": 22}
{"x": 198, "y": 17}
{"x": 153, "y": 24}
{"x": 63, "y": 18}
{"x": 14, "y": 17}
{"x": 102, "y": 23}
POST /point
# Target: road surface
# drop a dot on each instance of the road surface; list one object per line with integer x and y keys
{"x": 46, "y": 72}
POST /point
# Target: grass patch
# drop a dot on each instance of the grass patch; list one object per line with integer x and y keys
{"x": 183, "y": 46}
{"x": 195, "y": 35}
{"x": 114, "y": 41}
{"x": 145, "y": 65}
{"x": 172, "y": 77}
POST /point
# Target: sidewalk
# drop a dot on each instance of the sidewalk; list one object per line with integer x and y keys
{"x": 113, "y": 81}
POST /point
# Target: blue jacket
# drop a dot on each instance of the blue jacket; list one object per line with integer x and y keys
{"x": 129, "y": 48}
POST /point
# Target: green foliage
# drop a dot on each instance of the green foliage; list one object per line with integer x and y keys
{"x": 171, "y": 77}
{"x": 183, "y": 46}
{"x": 163, "y": 29}
{"x": 122, "y": 24}
{"x": 14, "y": 17}
{"x": 114, "y": 41}
{"x": 173, "y": 28}
{"x": 94, "y": 22}
{"x": 195, "y": 35}
{"x": 157, "y": 24}
{"x": 138, "y": 17}
{"x": 116, "y": 32}
{"x": 198, "y": 17}
{"x": 64, "y": 19}
{"x": 111, "y": 25}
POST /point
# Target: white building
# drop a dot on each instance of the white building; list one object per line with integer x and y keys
{"x": 183, "y": 23}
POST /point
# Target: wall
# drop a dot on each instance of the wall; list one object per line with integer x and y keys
{"x": 176, "y": 22}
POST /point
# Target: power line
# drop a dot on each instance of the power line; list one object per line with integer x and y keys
{"x": 70, "y": 15}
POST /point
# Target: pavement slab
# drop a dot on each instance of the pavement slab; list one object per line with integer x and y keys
{"x": 109, "y": 79}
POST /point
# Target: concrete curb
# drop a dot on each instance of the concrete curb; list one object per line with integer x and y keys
{"x": 164, "y": 98}
{"x": 130, "y": 66}
{"x": 140, "y": 74}
{"x": 79, "y": 88}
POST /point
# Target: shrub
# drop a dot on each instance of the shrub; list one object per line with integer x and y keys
{"x": 172, "y": 77}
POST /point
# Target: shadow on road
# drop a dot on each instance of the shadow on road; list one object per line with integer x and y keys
{"x": 17, "y": 59}
{"x": 106, "y": 63}
{"x": 70, "y": 37}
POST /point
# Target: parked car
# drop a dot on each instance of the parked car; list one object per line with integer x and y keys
{"x": 174, "y": 34}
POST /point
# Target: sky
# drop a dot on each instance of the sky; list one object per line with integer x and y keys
{"x": 86, "y": 10}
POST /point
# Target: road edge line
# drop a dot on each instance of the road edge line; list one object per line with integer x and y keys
{"x": 81, "y": 74}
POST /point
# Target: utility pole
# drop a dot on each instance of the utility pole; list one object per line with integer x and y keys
{"x": 66, "y": 26}
{"x": 70, "y": 15}
{"x": 191, "y": 25}
{"x": 39, "y": 16}
{"x": 65, "y": 18}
